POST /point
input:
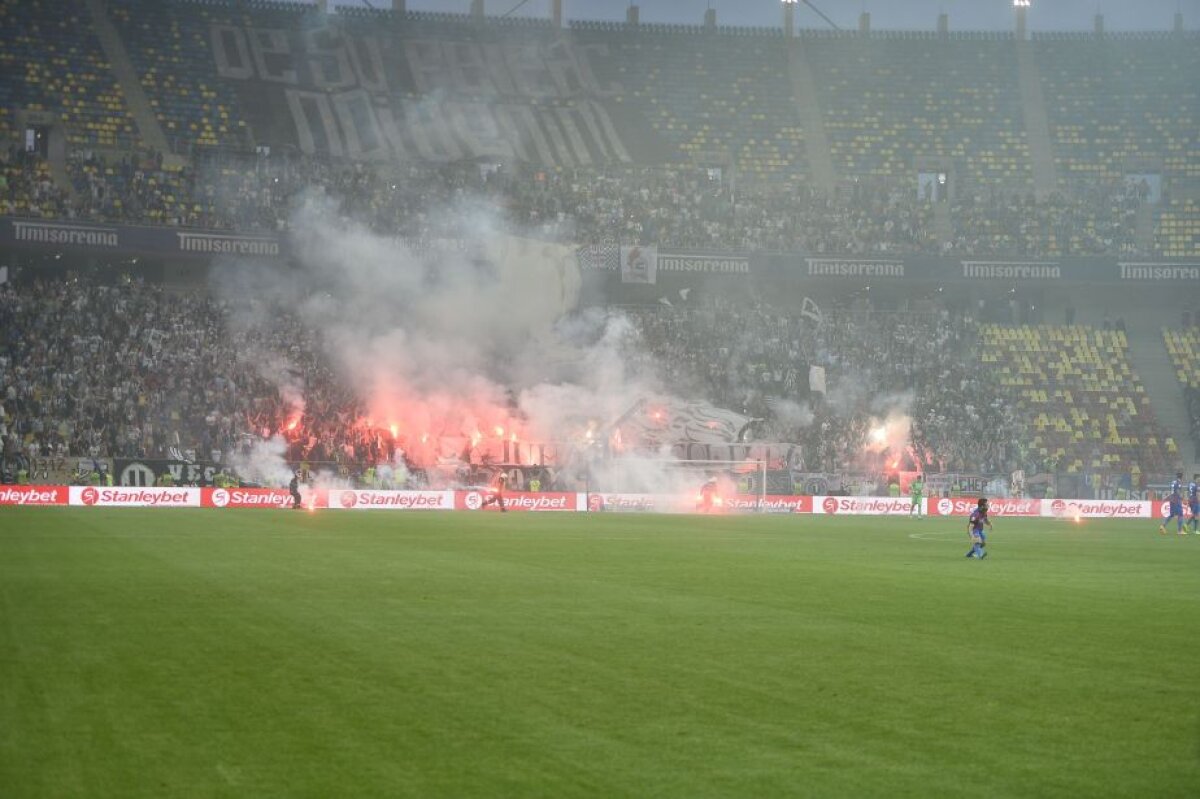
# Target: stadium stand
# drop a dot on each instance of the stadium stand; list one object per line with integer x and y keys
{"x": 745, "y": 121}
{"x": 51, "y": 61}
{"x": 680, "y": 206}
{"x": 1116, "y": 100}
{"x": 92, "y": 371}
{"x": 754, "y": 357}
{"x": 169, "y": 45}
{"x": 684, "y": 207}
{"x": 27, "y": 188}
{"x": 1184, "y": 349}
{"x": 727, "y": 171}
{"x": 707, "y": 93}
{"x": 893, "y": 97}
{"x": 245, "y": 192}
{"x": 137, "y": 188}
{"x": 1192, "y": 398}
{"x": 1100, "y": 218}
{"x": 1178, "y": 231}
{"x": 674, "y": 206}
{"x": 1085, "y": 404}
{"x": 1183, "y": 345}
{"x": 148, "y": 390}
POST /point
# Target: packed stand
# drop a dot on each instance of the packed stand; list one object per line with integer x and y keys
{"x": 1098, "y": 219}
{"x": 132, "y": 370}
{"x": 27, "y": 188}
{"x": 685, "y": 207}
{"x": 135, "y": 371}
{"x": 755, "y": 359}
{"x": 103, "y": 371}
{"x": 691, "y": 208}
{"x": 137, "y": 188}
{"x": 97, "y": 371}
{"x": 255, "y": 194}
{"x": 671, "y": 206}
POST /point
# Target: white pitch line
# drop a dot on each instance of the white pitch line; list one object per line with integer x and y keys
{"x": 931, "y": 536}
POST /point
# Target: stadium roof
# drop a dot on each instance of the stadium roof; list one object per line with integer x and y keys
{"x": 974, "y": 15}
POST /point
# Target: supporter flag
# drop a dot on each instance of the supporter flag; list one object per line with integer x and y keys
{"x": 812, "y": 311}
{"x": 639, "y": 264}
{"x": 816, "y": 379}
{"x": 600, "y": 256}
{"x": 653, "y": 422}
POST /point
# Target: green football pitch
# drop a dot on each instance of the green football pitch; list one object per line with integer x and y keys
{"x": 260, "y": 653}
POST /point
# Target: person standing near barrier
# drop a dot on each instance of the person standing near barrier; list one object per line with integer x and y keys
{"x": 708, "y": 496}
{"x": 497, "y": 496}
{"x": 916, "y": 490}
{"x": 1194, "y": 502}
{"x": 1175, "y": 504}
{"x": 294, "y": 489}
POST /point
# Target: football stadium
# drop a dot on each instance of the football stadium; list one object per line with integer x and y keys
{"x": 455, "y": 398}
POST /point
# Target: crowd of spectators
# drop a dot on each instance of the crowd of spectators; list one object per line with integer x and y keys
{"x": 680, "y": 207}
{"x": 887, "y": 103}
{"x": 686, "y": 207}
{"x": 133, "y": 370}
{"x": 1097, "y": 219}
{"x": 882, "y": 369}
{"x": 27, "y": 188}
{"x": 101, "y": 371}
{"x": 258, "y": 194}
{"x": 697, "y": 208}
{"x": 136, "y": 371}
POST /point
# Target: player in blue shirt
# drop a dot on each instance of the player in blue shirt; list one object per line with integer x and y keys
{"x": 1176, "y": 506}
{"x": 979, "y": 519}
{"x": 1194, "y": 502}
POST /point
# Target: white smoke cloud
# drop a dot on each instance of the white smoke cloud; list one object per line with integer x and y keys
{"x": 262, "y": 462}
{"x": 453, "y": 347}
{"x": 791, "y": 414}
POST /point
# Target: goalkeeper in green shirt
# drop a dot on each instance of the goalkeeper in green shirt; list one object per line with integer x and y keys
{"x": 916, "y": 489}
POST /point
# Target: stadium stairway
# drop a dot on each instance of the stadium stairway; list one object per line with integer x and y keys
{"x": 57, "y": 164}
{"x": 1145, "y": 227}
{"x": 1151, "y": 361}
{"x": 1037, "y": 123}
{"x": 943, "y": 223}
{"x": 135, "y": 96}
{"x": 808, "y": 112}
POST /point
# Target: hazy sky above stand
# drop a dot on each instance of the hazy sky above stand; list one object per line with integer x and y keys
{"x": 1073, "y": 15}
